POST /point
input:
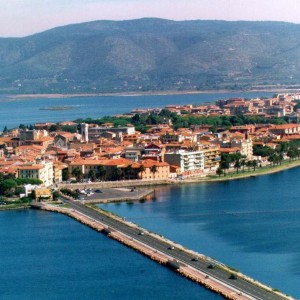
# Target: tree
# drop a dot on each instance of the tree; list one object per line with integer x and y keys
{"x": 101, "y": 172}
{"x": 141, "y": 170}
{"x": 219, "y": 171}
{"x": 225, "y": 162}
{"x": 65, "y": 174}
{"x": 53, "y": 127}
{"x": 128, "y": 171}
{"x": 237, "y": 165}
{"x": 92, "y": 174}
{"x": 249, "y": 164}
{"x": 116, "y": 173}
{"x": 55, "y": 195}
{"x": 243, "y": 163}
{"x": 77, "y": 173}
{"x": 7, "y": 186}
{"x": 254, "y": 164}
{"x": 153, "y": 170}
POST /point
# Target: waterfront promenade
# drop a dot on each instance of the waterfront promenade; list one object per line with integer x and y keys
{"x": 168, "y": 253}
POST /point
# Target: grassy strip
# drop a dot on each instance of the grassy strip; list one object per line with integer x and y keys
{"x": 258, "y": 171}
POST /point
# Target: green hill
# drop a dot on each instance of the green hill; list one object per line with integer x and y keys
{"x": 151, "y": 54}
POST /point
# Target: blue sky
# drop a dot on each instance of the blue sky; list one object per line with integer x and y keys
{"x": 25, "y": 17}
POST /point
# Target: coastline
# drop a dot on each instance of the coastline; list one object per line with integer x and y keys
{"x": 150, "y": 184}
{"x": 150, "y": 93}
{"x": 247, "y": 174}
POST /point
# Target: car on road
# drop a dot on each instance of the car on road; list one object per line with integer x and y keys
{"x": 171, "y": 247}
{"x": 141, "y": 233}
{"x": 211, "y": 266}
{"x": 98, "y": 191}
{"x": 195, "y": 259}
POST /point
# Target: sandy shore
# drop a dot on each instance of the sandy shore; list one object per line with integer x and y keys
{"x": 150, "y": 93}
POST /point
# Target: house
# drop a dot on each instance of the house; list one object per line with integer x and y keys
{"x": 154, "y": 170}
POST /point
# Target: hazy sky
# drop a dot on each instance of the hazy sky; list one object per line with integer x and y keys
{"x": 24, "y": 17}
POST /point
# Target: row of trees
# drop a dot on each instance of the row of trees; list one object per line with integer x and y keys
{"x": 237, "y": 160}
{"x": 111, "y": 174}
{"x": 186, "y": 120}
{"x": 274, "y": 156}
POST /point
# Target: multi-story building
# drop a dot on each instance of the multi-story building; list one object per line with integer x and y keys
{"x": 154, "y": 170}
{"x": 90, "y": 132}
{"x": 212, "y": 159}
{"x": 190, "y": 163}
{"x": 42, "y": 171}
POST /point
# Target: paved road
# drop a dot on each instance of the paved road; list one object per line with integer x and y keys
{"x": 177, "y": 253}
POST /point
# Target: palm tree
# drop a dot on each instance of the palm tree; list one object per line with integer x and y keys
{"x": 153, "y": 170}
{"x": 243, "y": 163}
{"x": 237, "y": 165}
{"x": 141, "y": 170}
{"x": 249, "y": 164}
{"x": 254, "y": 164}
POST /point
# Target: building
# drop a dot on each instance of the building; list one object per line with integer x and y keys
{"x": 90, "y": 132}
{"x": 42, "y": 171}
{"x": 154, "y": 170}
{"x": 285, "y": 129}
{"x": 190, "y": 163}
{"x": 212, "y": 158}
{"x": 133, "y": 153}
{"x": 41, "y": 194}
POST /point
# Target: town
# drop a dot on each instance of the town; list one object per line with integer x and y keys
{"x": 170, "y": 144}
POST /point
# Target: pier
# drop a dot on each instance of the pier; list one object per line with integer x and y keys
{"x": 194, "y": 266}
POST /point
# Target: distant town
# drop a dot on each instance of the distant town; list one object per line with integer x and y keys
{"x": 170, "y": 144}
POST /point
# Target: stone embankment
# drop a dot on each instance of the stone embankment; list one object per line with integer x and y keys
{"x": 113, "y": 184}
{"x": 189, "y": 272}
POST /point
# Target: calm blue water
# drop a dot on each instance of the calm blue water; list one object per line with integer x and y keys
{"x": 251, "y": 224}
{"x": 28, "y": 111}
{"x": 50, "y": 256}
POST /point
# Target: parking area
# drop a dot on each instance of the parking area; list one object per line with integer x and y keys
{"x": 114, "y": 194}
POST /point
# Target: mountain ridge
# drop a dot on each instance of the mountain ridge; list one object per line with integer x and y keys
{"x": 151, "y": 54}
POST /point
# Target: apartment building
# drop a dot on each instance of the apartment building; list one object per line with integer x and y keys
{"x": 190, "y": 163}
{"x": 43, "y": 171}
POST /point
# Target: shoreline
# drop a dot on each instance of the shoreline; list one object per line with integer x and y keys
{"x": 193, "y": 180}
{"x": 247, "y": 174}
{"x": 137, "y": 93}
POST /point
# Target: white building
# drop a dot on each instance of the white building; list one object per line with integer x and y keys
{"x": 94, "y": 132}
{"x": 190, "y": 163}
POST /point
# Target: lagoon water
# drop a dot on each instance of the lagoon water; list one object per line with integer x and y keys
{"x": 50, "y": 256}
{"x": 14, "y": 112}
{"x": 251, "y": 224}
